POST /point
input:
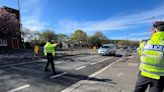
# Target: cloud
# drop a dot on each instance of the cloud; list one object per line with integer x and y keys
{"x": 35, "y": 25}
{"x": 120, "y": 22}
{"x": 31, "y": 15}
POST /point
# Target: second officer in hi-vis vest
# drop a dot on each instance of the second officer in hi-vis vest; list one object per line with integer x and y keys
{"x": 152, "y": 62}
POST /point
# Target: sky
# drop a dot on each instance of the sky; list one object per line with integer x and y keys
{"x": 116, "y": 19}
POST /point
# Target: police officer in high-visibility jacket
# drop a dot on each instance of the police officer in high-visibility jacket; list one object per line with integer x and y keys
{"x": 152, "y": 62}
{"x": 49, "y": 53}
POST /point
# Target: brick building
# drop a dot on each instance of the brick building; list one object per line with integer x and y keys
{"x": 6, "y": 39}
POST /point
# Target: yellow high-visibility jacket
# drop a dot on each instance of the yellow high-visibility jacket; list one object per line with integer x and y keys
{"x": 152, "y": 57}
{"x": 49, "y": 48}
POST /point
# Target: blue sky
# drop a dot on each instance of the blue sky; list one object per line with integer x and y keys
{"x": 117, "y": 19}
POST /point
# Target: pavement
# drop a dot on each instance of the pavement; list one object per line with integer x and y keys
{"x": 120, "y": 76}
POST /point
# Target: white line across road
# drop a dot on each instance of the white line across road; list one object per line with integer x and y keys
{"x": 58, "y": 75}
{"x": 17, "y": 64}
{"x": 80, "y": 68}
{"x": 100, "y": 61}
{"x": 76, "y": 85}
{"x": 19, "y": 88}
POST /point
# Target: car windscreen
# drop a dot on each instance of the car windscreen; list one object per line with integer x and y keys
{"x": 106, "y": 47}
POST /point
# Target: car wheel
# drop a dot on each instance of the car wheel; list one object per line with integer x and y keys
{"x": 108, "y": 53}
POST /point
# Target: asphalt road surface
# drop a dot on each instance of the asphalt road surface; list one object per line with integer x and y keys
{"x": 29, "y": 76}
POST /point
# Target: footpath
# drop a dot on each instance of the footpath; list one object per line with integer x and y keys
{"x": 118, "y": 77}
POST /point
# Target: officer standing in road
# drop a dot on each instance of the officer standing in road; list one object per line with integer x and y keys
{"x": 152, "y": 62}
{"x": 49, "y": 53}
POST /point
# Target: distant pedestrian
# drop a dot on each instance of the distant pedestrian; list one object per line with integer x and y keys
{"x": 49, "y": 53}
{"x": 152, "y": 62}
{"x": 36, "y": 50}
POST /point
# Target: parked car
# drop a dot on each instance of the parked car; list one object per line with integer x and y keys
{"x": 107, "y": 50}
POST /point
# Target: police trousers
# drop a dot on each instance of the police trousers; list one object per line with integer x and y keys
{"x": 154, "y": 85}
{"x": 50, "y": 59}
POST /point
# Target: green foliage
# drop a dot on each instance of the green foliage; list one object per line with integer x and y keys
{"x": 127, "y": 43}
{"x": 78, "y": 36}
{"x": 98, "y": 39}
{"x": 62, "y": 38}
{"x": 47, "y": 35}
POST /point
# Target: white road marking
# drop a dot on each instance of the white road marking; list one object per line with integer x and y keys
{"x": 15, "y": 64}
{"x": 80, "y": 68}
{"x": 100, "y": 61}
{"x": 58, "y": 62}
{"x": 104, "y": 59}
{"x": 94, "y": 63}
{"x": 58, "y": 75}
{"x": 76, "y": 85}
{"x": 19, "y": 88}
{"x": 26, "y": 63}
{"x": 103, "y": 69}
{"x": 88, "y": 57}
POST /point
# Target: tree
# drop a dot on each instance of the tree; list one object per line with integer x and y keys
{"x": 79, "y": 37}
{"x": 8, "y": 22}
{"x": 47, "y": 35}
{"x": 122, "y": 43}
{"x": 62, "y": 37}
{"x": 98, "y": 39}
{"x": 28, "y": 35}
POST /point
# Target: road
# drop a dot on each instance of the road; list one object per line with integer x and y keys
{"x": 29, "y": 76}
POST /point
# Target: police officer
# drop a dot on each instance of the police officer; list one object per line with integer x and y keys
{"x": 49, "y": 53}
{"x": 152, "y": 62}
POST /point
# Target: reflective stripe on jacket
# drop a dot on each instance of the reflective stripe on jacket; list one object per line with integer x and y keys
{"x": 152, "y": 58}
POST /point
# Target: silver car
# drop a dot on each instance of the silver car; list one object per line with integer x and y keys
{"x": 107, "y": 50}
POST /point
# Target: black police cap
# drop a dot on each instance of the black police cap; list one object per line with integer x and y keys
{"x": 159, "y": 25}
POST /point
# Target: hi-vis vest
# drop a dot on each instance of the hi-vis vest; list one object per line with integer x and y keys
{"x": 49, "y": 48}
{"x": 152, "y": 58}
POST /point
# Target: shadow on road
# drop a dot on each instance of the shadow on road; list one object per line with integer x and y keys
{"x": 83, "y": 77}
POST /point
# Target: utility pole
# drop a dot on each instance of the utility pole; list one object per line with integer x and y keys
{"x": 20, "y": 21}
{"x": 19, "y": 13}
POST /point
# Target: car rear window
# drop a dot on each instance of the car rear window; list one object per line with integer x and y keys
{"x": 106, "y": 47}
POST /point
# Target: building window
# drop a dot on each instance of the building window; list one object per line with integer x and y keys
{"x": 3, "y": 42}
